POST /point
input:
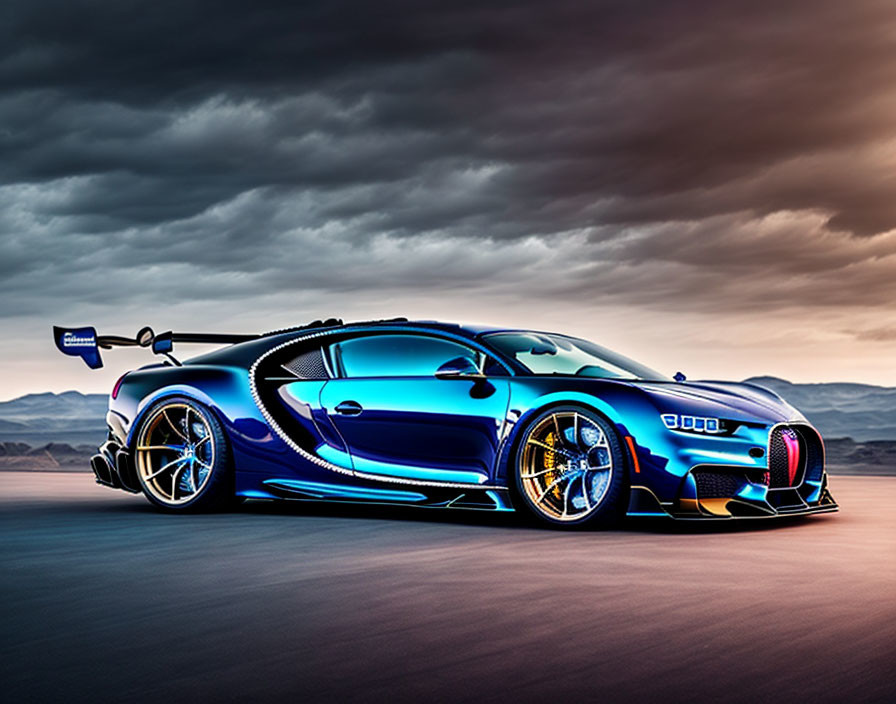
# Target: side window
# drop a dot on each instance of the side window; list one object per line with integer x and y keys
{"x": 397, "y": 355}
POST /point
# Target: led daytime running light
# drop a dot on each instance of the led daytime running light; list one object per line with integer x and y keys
{"x": 694, "y": 424}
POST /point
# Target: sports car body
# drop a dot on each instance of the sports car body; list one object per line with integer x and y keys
{"x": 443, "y": 415}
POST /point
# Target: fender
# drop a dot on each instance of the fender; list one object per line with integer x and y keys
{"x": 517, "y": 420}
{"x": 224, "y": 390}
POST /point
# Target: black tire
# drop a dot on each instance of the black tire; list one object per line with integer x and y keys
{"x": 173, "y": 422}
{"x": 549, "y": 466}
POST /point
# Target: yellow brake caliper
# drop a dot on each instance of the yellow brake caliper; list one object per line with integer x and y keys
{"x": 550, "y": 462}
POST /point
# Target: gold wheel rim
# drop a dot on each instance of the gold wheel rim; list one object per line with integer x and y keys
{"x": 566, "y": 466}
{"x": 175, "y": 453}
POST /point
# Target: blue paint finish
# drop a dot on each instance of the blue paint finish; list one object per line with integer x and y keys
{"x": 689, "y": 488}
{"x": 302, "y": 400}
{"x": 256, "y": 494}
{"x": 813, "y": 492}
{"x": 501, "y": 499}
{"x": 318, "y": 490}
{"x": 340, "y": 458}
{"x": 336, "y": 436}
{"x": 412, "y": 472}
{"x": 425, "y": 428}
{"x": 753, "y": 492}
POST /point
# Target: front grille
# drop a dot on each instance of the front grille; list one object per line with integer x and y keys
{"x": 794, "y": 452}
{"x": 717, "y": 485}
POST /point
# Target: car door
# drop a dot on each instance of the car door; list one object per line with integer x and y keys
{"x": 398, "y": 420}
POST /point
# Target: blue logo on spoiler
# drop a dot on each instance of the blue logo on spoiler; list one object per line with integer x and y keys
{"x": 79, "y": 342}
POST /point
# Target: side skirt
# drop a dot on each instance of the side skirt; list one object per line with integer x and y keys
{"x": 425, "y": 496}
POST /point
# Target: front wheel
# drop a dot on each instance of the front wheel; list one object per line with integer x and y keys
{"x": 181, "y": 457}
{"x": 569, "y": 468}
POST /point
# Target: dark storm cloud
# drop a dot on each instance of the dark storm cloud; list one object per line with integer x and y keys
{"x": 641, "y": 152}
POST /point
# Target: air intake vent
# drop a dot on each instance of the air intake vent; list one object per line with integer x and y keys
{"x": 717, "y": 485}
{"x": 308, "y": 365}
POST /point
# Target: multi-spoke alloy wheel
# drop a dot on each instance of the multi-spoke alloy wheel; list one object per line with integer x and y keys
{"x": 178, "y": 454}
{"x": 569, "y": 466}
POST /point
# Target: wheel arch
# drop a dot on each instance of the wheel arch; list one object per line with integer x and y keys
{"x": 617, "y": 506}
{"x": 220, "y": 477}
{"x": 223, "y": 391}
{"x": 596, "y": 405}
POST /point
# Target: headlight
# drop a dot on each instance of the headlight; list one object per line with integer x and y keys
{"x": 691, "y": 424}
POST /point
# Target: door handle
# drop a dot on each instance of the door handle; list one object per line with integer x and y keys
{"x": 349, "y": 408}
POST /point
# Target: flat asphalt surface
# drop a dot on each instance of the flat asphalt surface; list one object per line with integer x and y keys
{"x": 104, "y": 599}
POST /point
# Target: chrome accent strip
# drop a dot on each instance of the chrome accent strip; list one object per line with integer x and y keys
{"x": 641, "y": 487}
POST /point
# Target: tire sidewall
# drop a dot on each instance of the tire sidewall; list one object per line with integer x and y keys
{"x": 218, "y": 490}
{"x": 609, "y": 510}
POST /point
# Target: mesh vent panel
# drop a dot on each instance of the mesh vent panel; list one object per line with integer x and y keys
{"x": 810, "y": 456}
{"x": 308, "y": 365}
{"x": 717, "y": 485}
{"x": 777, "y": 460}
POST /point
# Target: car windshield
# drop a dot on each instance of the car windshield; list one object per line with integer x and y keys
{"x": 547, "y": 354}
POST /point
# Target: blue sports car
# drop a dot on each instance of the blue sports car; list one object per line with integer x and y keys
{"x": 450, "y": 416}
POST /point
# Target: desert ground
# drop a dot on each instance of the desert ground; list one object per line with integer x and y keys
{"x": 105, "y": 599}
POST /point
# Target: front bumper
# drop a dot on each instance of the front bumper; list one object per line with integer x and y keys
{"x": 770, "y": 504}
{"x": 779, "y": 485}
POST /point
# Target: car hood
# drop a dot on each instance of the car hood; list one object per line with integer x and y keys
{"x": 732, "y": 400}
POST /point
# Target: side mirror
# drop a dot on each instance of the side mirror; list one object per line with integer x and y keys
{"x": 459, "y": 368}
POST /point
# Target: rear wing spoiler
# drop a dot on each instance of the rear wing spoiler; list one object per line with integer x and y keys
{"x": 86, "y": 344}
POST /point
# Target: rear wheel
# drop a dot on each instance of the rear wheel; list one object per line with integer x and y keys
{"x": 569, "y": 468}
{"x": 181, "y": 457}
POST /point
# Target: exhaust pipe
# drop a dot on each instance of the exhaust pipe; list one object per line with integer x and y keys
{"x": 127, "y": 473}
{"x": 103, "y": 472}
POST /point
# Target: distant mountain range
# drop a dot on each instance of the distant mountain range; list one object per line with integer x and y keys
{"x": 39, "y": 419}
{"x": 859, "y": 411}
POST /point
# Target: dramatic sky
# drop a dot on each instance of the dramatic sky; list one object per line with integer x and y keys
{"x": 707, "y": 186}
